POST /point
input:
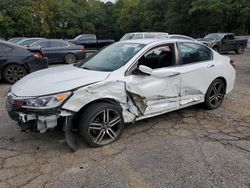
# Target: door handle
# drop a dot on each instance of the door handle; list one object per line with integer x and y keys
{"x": 210, "y": 66}
{"x": 174, "y": 74}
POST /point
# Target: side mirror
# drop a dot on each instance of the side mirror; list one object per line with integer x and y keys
{"x": 145, "y": 69}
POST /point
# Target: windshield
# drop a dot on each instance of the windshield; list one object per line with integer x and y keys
{"x": 112, "y": 57}
{"x": 128, "y": 36}
{"x": 213, "y": 36}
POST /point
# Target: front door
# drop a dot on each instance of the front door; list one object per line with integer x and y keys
{"x": 158, "y": 92}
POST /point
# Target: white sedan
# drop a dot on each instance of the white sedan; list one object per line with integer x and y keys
{"x": 123, "y": 83}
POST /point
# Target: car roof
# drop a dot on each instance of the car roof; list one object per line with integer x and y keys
{"x": 222, "y": 33}
{"x": 148, "y": 33}
{"x": 25, "y": 39}
{"x": 156, "y": 40}
{"x": 51, "y": 40}
{"x": 6, "y": 43}
{"x": 184, "y": 36}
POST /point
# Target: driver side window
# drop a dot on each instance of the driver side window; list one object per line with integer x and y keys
{"x": 159, "y": 57}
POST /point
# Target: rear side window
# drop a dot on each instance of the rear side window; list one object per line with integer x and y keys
{"x": 149, "y": 36}
{"x": 55, "y": 44}
{"x": 192, "y": 53}
{"x": 5, "y": 49}
{"x": 64, "y": 44}
{"x": 138, "y": 36}
{"x": 45, "y": 44}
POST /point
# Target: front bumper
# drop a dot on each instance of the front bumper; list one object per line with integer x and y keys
{"x": 33, "y": 120}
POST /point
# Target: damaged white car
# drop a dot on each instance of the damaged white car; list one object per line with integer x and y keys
{"x": 123, "y": 83}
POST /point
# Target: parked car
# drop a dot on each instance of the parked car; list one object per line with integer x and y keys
{"x": 28, "y": 41}
{"x": 60, "y": 51}
{"x": 16, "y": 40}
{"x": 17, "y": 61}
{"x": 144, "y": 35}
{"x": 89, "y": 41}
{"x": 225, "y": 42}
{"x": 152, "y": 35}
{"x": 122, "y": 83}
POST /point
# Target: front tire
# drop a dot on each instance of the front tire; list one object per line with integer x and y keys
{"x": 13, "y": 73}
{"x": 70, "y": 58}
{"x": 240, "y": 50}
{"x": 101, "y": 124}
{"x": 215, "y": 94}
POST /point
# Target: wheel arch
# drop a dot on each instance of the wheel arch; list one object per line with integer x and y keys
{"x": 223, "y": 79}
{"x": 101, "y": 100}
{"x": 220, "y": 78}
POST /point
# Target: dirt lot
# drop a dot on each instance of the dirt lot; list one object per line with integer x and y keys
{"x": 188, "y": 148}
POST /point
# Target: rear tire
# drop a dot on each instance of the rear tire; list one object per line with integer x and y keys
{"x": 101, "y": 124}
{"x": 70, "y": 58}
{"x": 240, "y": 50}
{"x": 215, "y": 94}
{"x": 13, "y": 73}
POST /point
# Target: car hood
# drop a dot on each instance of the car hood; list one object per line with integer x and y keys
{"x": 56, "y": 80}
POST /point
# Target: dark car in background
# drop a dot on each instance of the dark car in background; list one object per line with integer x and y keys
{"x": 60, "y": 51}
{"x": 16, "y": 39}
{"x": 17, "y": 61}
{"x": 28, "y": 41}
{"x": 224, "y": 42}
{"x": 89, "y": 41}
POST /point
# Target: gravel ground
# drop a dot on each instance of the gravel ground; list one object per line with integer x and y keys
{"x": 192, "y": 147}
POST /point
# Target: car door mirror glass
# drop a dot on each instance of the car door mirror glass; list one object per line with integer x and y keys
{"x": 145, "y": 69}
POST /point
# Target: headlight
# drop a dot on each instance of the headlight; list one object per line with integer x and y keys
{"x": 46, "y": 102}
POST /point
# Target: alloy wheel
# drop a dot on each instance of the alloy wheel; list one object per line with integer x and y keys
{"x": 217, "y": 93}
{"x": 105, "y": 127}
{"x": 70, "y": 58}
{"x": 13, "y": 73}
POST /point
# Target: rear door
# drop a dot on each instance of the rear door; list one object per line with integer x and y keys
{"x": 53, "y": 50}
{"x": 197, "y": 70}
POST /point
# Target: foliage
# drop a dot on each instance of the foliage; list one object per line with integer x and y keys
{"x": 68, "y": 18}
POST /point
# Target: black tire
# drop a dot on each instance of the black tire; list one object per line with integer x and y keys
{"x": 70, "y": 58}
{"x": 92, "y": 127}
{"x": 13, "y": 73}
{"x": 215, "y": 94}
{"x": 240, "y": 50}
{"x": 215, "y": 48}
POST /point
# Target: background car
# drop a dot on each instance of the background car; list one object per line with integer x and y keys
{"x": 60, "y": 51}
{"x": 28, "y": 41}
{"x": 16, "y": 39}
{"x": 159, "y": 35}
{"x": 17, "y": 61}
{"x": 144, "y": 35}
{"x": 224, "y": 42}
{"x": 90, "y": 41}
